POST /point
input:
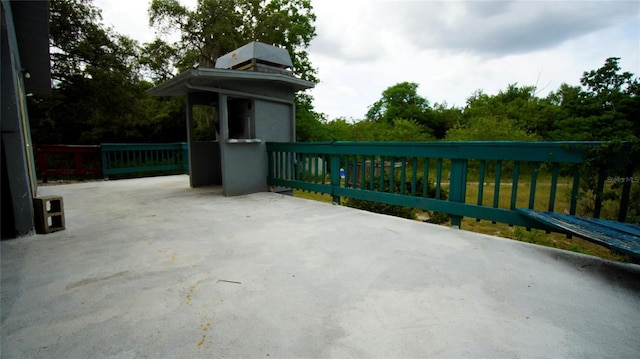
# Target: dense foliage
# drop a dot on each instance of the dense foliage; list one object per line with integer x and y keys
{"x": 216, "y": 27}
{"x": 604, "y": 108}
{"x": 100, "y": 79}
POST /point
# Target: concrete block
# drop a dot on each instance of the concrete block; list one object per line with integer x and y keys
{"x": 49, "y": 214}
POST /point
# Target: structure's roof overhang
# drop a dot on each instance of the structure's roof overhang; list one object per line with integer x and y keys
{"x": 31, "y": 21}
{"x": 214, "y": 78}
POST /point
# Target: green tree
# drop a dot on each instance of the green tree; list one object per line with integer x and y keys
{"x": 98, "y": 94}
{"x": 372, "y": 131}
{"x": 157, "y": 60}
{"x": 309, "y": 123}
{"x": 518, "y": 104}
{"x": 444, "y": 118}
{"x": 613, "y": 90}
{"x": 489, "y": 129}
{"x": 216, "y": 27}
{"x": 400, "y": 101}
{"x": 401, "y": 131}
{"x": 338, "y": 130}
{"x": 605, "y": 108}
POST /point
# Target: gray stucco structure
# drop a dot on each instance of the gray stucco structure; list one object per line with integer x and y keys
{"x": 25, "y": 69}
{"x": 231, "y": 114}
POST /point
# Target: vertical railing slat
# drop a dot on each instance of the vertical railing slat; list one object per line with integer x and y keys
{"x": 372, "y": 172}
{"x": 363, "y": 171}
{"x": 335, "y": 176}
{"x": 480, "y": 184}
{"x": 496, "y": 189}
{"x": 554, "y": 185}
{"x": 403, "y": 175}
{"x": 425, "y": 178}
{"x": 354, "y": 167}
{"x": 514, "y": 188}
{"x": 458, "y": 186}
{"x": 438, "y": 177}
{"x": 317, "y": 167}
{"x": 534, "y": 180}
{"x": 414, "y": 175}
{"x": 392, "y": 174}
{"x": 381, "y": 178}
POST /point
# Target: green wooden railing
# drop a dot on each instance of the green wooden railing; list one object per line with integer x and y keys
{"x": 363, "y": 170}
{"x": 120, "y": 158}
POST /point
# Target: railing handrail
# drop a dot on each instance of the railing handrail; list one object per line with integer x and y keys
{"x": 144, "y": 157}
{"x": 351, "y": 156}
{"x": 67, "y": 148}
{"x": 543, "y": 151}
{"x": 142, "y": 146}
{"x": 133, "y": 158}
{"x": 77, "y": 160}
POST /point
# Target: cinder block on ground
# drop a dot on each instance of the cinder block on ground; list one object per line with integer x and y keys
{"x": 49, "y": 214}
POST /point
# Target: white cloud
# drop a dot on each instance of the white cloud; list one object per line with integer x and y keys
{"x": 453, "y": 48}
{"x": 127, "y": 18}
{"x": 450, "y": 48}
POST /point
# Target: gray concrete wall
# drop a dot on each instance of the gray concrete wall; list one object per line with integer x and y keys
{"x": 244, "y": 163}
{"x": 238, "y": 159}
{"x": 274, "y": 121}
{"x": 18, "y": 187}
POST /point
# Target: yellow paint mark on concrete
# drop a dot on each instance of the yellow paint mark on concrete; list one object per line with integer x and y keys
{"x": 206, "y": 326}
{"x": 188, "y": 297}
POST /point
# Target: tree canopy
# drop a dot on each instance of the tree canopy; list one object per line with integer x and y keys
{"x": 98, "y": 91}
{"x": 100, "y": 78}
{"x": 605, "y": 107}
{"x": 216, "y": 27}
{"x": 400, "y": 101}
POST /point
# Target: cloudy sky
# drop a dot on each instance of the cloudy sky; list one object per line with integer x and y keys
{"x": 450, "y": 48}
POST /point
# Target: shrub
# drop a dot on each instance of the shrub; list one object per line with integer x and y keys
{"x": 402, "y": 211}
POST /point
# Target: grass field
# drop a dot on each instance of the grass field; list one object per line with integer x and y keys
{"x": 556, "y": 240}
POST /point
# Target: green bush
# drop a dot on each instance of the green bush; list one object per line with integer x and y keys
{"x": 402, "y": 211}
{"x": 616, "y": 160}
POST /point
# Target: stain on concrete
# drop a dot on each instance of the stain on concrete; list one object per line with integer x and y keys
{"x": 206, "y": 326}
{"x": 80, "y": 283}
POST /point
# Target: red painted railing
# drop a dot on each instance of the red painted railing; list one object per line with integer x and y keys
{"x": 55, "y": 160}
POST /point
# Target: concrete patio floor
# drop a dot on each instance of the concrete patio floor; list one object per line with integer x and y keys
{"x": 150, "y": 268}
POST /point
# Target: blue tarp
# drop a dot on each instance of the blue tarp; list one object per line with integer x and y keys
{"x": 622, "y": 237}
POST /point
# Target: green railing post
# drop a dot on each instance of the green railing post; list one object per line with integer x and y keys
{"x": 458, "y": 186}
{"x": 335, "y": 176}
{"x": 503, "y": 154}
